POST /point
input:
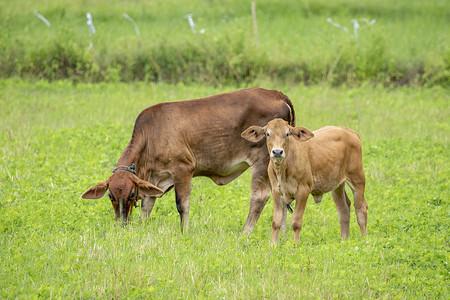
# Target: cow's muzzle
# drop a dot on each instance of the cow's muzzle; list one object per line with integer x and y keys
{"x": 123, "y": 209}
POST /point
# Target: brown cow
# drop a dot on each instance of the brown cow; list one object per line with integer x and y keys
{"x": 303, "y": 163}
{"x": 174, "y": 142}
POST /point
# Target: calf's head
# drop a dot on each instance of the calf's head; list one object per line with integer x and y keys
{"x": 278, "y": 133}
{"x": 124, "y": 190}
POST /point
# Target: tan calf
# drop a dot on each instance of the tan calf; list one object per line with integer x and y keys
{"x": 304, "y": 162}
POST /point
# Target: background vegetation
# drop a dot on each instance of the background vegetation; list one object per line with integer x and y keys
{"x": 57, "y": 139}
{"x": 408, "y": 44}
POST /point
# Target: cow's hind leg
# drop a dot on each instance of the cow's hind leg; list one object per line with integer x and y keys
{"x": 343, "y": 208}
{"x": 260, "y": 194}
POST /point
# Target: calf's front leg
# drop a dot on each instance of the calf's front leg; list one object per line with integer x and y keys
{"x": 278, "y": 215}
{"x": 300, "y": 205}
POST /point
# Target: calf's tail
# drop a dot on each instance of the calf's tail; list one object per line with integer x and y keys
{"x": 289, "y": 208}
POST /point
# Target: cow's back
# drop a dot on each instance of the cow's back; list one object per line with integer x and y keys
{"x": 336, "y": 137}
{"x": 333, "y": 150}
{"x": 207, "y": 131}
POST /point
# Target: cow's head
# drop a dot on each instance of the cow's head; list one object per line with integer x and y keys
{"x": 278, "y": 133}
{"x": 124, "y": 190}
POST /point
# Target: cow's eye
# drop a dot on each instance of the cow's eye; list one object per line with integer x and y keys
{"x": 267, "y": 134}
{"x": 287, "y": 134}
{"x": 132, "y": 195}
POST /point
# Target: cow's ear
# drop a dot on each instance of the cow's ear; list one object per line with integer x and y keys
{"x": 97, "y": 191}
{"x": 148, "y": 189}
{"x": 254, "y": 133}
{"x": 301, "y": 133}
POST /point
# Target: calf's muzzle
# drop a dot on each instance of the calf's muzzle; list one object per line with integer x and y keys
{"x": 277, "y": 153}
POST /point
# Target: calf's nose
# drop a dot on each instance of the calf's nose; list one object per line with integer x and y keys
{"x": 277, "y": 153}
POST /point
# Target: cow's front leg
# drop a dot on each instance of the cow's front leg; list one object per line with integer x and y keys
{"x": 258, "y": 199}
{"x": 147, "y": 207}
{"x": 299, "y": 210}
{"x": 183, "y": 197}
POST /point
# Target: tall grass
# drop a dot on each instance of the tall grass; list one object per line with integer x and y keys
{"x": 408, "y": 44}
{"x": 57, "y": 139}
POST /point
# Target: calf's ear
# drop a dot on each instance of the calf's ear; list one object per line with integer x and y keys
{"x": 148, "y": 189}
{"x": 301, "y": 133}
{"x": 254, "y": 133}
{"x": 97, "y": 191}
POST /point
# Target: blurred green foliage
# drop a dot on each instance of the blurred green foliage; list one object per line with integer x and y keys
{"x": 408, "y": 44}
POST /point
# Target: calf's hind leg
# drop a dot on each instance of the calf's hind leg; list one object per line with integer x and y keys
{"x": 360, "y": 207}
{"x": 343, "y": 208}
{"x": 357, "y": 183}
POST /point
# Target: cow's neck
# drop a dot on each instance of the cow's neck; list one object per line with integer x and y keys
{"x": 131, "y": 155}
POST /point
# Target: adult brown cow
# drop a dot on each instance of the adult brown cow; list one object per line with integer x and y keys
{"x": 174, "y": 142}
{"x": 304, "y": 162}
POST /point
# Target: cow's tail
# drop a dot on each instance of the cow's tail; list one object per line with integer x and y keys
{"x": 288, "y": 102}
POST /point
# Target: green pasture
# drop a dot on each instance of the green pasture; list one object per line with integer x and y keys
{"x": 59, "y": 138}
{"x": 407, "y": 44}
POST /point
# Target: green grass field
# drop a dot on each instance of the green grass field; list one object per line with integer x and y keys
{"x": 67, "y": 113}
{"x": 57, "y": 139}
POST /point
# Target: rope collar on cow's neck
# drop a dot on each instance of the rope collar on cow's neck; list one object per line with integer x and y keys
{"x": 131, "y": 169}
